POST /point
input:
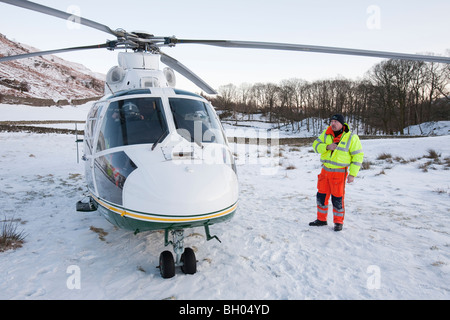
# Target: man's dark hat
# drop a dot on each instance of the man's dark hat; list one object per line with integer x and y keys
{"x": 338, "y": 117}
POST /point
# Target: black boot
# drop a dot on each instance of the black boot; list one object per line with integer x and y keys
{"x": 318, "y": 223}
{"x": 337, "y": 226}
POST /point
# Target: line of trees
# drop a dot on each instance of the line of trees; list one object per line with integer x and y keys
{"x": 393, "y": 95}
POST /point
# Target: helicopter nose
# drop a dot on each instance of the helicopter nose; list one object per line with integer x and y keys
{"x": 179, "y": 189}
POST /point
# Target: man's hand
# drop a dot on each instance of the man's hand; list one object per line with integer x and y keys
{"x": 350, "y": 179}
{"x": 332, "y": 146}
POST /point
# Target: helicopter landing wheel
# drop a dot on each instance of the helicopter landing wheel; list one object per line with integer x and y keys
{"x": 189, "y": 262}
{"x": 166, "y": 264}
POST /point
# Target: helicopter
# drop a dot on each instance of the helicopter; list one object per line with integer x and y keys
{"x": 157, "y": 157}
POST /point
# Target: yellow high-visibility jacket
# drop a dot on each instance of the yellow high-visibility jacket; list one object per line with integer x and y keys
{"x": 349, "y": 152}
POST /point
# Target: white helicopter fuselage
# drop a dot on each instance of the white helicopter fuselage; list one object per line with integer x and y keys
{"x": 157, "y": 157}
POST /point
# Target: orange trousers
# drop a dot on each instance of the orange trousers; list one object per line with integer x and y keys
{"x": 331, "y": 182}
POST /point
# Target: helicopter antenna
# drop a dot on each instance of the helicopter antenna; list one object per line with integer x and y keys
{"x": 77, "y": 141}
{"x": 109, "y": 87}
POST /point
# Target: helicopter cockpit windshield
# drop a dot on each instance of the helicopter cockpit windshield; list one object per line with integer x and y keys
{"x": 132, "y": 121}
{"x": 195, "y": 121}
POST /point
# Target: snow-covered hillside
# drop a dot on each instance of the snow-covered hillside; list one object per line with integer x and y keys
{"x": 47, "y": 77}
{"x": 394, "y": 245}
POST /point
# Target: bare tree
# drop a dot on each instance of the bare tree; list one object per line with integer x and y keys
{"x": 392, "y": 96}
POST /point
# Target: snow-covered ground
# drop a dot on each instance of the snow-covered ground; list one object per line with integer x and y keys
{"x": 395, "y": 243}
{"x": 27, "y": 113}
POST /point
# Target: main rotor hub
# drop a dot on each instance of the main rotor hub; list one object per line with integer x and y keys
{"x": 143, "y": 34}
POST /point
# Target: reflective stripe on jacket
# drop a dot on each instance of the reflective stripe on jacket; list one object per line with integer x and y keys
{"x": 349, "y": 152}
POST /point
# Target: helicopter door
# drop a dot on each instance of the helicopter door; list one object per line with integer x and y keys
{"x": 89, "y": 135}
{"x": 126, "y": 122}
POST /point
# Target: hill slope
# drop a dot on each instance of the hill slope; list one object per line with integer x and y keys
{"x": 47, "y": 77}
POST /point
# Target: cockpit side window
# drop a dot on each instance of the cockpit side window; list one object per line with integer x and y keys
{"x": 132, "y": 121}
{"x": 91, "y": 122}
{"x": 196, "y": 121}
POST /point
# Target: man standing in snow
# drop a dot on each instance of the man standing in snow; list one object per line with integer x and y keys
{"x": 341, "y": 156}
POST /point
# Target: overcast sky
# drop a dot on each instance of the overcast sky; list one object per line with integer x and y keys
{"x": 403, "y": 26}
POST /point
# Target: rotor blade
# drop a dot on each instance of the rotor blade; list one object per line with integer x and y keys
{"x": 43, "y": 53}
{"x": 183, "y": 70}
{"x": 310, "y": 48}
{"x": 60, "y": 14}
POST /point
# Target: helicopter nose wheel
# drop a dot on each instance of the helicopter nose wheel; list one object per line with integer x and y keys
{"x": 185, "y": 258}
{"x": 189, "y": 262}
{"x": 166, "y": 264}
